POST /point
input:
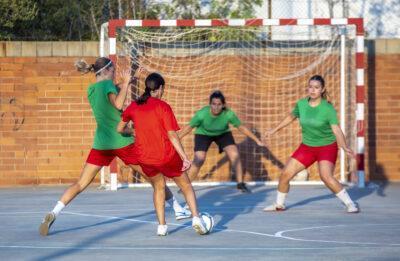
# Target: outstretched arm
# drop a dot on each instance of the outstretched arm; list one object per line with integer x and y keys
{"x": 248, "y": 133}
{"x": 174, "y": 138}
{"x": 341, "y": 140}
{"x": 286, "y": 121}
{"x": 185, "y": 131}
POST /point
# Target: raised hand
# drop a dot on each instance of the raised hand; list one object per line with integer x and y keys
{"x": 268, "y": 134}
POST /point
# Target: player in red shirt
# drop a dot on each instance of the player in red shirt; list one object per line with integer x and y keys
{"x": 159, "y": 150}
{"x": 106, "y": 102}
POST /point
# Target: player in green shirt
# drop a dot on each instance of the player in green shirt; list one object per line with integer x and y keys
{"x": 212, "y": 125}
{"x": 106, "y": 102}
{"x": 321, "y": 136}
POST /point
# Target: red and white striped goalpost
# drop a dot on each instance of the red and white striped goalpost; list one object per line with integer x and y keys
{"x": 113, "y": 25}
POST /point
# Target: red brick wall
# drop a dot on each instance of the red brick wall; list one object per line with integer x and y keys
{"x": 46, "y": 122}
{"x": 383, "y": 77}
{"x": 46, "y": 126}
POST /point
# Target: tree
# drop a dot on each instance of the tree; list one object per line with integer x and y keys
{"x": 81, "y": 19}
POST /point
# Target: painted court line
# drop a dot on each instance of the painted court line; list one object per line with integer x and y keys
{"x": 280, "y": 235}
{"x": 181, "y": 248}
{"x": 276, "y": 235}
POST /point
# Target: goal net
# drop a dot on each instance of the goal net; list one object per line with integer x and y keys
{"x": 261, "y": 66}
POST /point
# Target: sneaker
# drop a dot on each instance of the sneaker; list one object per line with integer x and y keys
{"x": 352, "y": 208}
{"x": 185, "y": 213}
{"x": 274, "y": 207}
{"x": 242, "y": 187}
{"x": 46, "y": 223}
{"x": 199, "y": 226}
{"x": 162, "y": 230}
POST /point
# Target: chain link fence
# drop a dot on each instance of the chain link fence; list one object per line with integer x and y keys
{"x": 381, "y": 17}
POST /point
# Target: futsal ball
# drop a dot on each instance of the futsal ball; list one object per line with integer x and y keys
{"x": 208, "y": 221}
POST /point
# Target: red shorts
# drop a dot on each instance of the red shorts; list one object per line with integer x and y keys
{"x": 307, "y": 155}
{"x": 104, "y": 157}
{"x": 172, "y": 168}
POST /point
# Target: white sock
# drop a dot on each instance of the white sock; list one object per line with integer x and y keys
{"x": 175, "y": 204}
{"x": 57, "y": 209}
{"x": 280, "y": 198}
{"x": 344, "y": 197}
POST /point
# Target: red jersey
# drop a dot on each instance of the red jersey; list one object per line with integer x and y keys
{"x": 152, "y": 121}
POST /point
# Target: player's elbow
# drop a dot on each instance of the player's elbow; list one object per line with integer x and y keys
{"x": 118, "y": 106}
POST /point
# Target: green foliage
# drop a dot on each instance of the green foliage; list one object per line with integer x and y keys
{"x": 81, "y": 19}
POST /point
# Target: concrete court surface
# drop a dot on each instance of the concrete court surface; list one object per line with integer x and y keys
{"x": 107, "y": 225}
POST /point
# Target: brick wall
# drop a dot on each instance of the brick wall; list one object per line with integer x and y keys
{"x": 383, "y": 109}
{"x": 46, "y": 126}
{"x": 46, "y": 123}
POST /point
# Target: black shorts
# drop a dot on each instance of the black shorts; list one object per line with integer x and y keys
{"x": 203, "y": 142}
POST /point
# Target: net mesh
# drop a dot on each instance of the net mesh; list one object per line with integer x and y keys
{"x": 262, "y": 72}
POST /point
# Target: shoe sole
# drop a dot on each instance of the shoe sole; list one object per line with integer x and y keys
{"x": 198, "y": 230}
{"x": 353, "y": 212}
{"x": 182, "y": 217}
{"x": 274, "y": 210}
{"x": 44, "y": 227}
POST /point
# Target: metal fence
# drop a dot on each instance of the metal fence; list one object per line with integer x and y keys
{"x": 381, "y": 17}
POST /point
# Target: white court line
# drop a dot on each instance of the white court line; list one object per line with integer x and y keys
{"x": 280, "y": 235}
{"x": 172, "y": 224}
{"x": 276, "y": 235}
{"x": 184, "y": 248}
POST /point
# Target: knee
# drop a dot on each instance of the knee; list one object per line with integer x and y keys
{"x": 198, "y": 161}
{"x": 158, "y": 185}
{"x": 326, "y": 178}
{"x": 77, "y": 187}
{"x": 285, "y": 176}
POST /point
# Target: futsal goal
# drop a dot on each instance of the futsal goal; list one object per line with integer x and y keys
{"x": 262, "y": 66}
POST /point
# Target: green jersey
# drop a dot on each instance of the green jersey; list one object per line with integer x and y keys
{"x": 316, "y": 122}
{"x": 107, "y": 117}
{"x": 213, "y": 125}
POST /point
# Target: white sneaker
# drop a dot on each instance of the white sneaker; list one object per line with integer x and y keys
{"x": 46, "y": 223}
{"x": 199, "y": 226}
{"x": 274, "y": 207}
{"x": 352, "y": 208}
{"x": 185, "y": 213}
{"x": 162, "y": 230}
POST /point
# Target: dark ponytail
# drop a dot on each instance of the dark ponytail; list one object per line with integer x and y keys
{"x": 153, "y": 82}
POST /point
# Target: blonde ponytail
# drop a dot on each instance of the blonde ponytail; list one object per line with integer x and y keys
{"x": 83, "y": 67}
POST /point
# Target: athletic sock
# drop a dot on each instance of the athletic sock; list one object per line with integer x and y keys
{"x": 280, "y": 198}
{"x": 175, "y": 204}
{"x": 57, "y": 209}
{"x": 344, "y": 197}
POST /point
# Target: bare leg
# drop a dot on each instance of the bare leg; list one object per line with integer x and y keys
{"x": 326, "y": 169}
{"x": 184, "y": 184}
{"x": 198, "y": 161}
{"x": 88, "y": 173}
{"x": 137, "y": 168}
{"x": 290, "y": 170}
{"x": 233, "y": 155}
{"x": 158, "y": 182}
